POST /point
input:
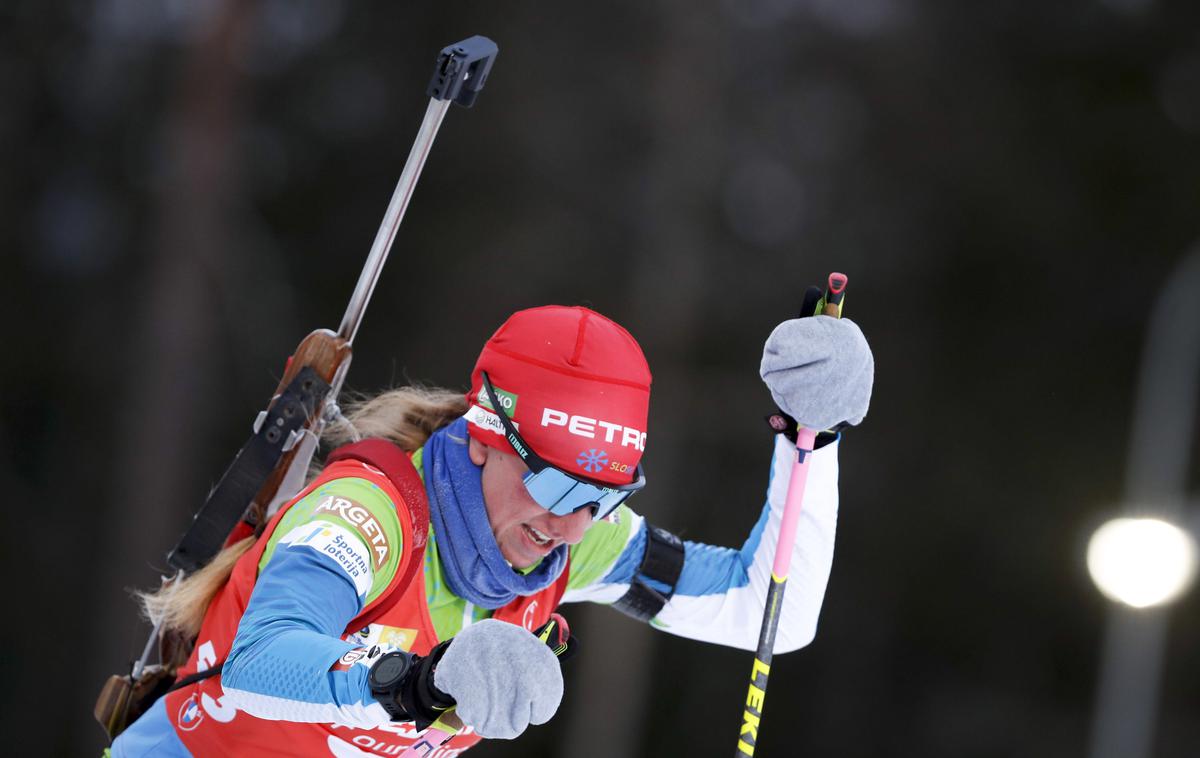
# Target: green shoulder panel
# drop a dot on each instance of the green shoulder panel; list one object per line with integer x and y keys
{"x": 600, "y": 547}
{"x": 363, "y": 509}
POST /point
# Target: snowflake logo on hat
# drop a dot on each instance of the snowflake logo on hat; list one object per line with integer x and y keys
{"x": 593, "y": 461}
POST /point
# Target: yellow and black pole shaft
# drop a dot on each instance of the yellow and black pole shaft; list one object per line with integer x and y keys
{"x": 830, "y": 304}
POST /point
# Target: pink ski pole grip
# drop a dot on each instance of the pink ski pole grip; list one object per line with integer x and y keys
{"x": 805, "y": 438}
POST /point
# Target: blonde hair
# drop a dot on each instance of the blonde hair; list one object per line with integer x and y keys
{"x": 405, "y": 416}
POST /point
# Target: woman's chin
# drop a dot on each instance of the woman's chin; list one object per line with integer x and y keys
{"x": 516, "y": 558}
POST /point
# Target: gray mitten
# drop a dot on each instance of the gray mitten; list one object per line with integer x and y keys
{"x": 819, "y": 370}
{"x": 502, "y": 677}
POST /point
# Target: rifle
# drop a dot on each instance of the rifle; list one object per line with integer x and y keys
{"x": 269, "y": 469}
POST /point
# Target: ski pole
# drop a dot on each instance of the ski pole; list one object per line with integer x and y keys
{"x": 829, "y": 305}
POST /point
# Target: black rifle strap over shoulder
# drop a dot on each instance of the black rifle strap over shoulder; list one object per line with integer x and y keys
{"x": 199, "y": 676}
{"x": 662, "y": 562}
{"x": 212, "y": 524}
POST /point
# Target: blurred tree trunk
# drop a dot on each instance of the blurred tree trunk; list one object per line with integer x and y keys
{"x": 171, "y": 383}
{"x": 610, "y": 708}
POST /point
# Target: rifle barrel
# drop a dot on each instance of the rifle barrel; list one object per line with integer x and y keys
{"x": 391, "y": 220}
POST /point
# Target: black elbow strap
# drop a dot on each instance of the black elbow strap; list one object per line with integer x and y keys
{"x": 662, "y": 562}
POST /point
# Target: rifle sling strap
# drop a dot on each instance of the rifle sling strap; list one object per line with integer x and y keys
{"x": 254, "y": 463}
{"x": 199, "y": 676}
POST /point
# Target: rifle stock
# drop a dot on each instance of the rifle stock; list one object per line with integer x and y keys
{"x": 328, "y": 355}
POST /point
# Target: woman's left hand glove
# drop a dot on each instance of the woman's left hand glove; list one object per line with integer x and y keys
{"x": 502, "y": 677}
{"x": 820, "y": 371}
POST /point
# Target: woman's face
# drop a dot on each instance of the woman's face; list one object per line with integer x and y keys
{"x": 524, "y": 530}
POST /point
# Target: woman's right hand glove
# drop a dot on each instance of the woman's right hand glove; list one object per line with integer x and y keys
{"x": 502, "y": 677}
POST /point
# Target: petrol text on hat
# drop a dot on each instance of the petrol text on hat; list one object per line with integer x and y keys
{"x": 583, "y": 426}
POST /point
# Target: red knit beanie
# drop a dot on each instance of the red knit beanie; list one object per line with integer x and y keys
{"x": 575, "y": 383}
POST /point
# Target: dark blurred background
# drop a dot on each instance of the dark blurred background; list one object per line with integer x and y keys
{"x": 190, "y": 188}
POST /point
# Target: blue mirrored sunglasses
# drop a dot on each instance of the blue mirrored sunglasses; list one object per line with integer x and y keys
{"x": 556, "y": 490}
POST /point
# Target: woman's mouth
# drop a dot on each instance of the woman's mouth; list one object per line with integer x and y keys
{"x": 538, "y": 538}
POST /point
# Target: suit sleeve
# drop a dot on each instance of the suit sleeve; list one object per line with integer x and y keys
{"x": 326, "y": 561}
{"x": 721, "y": 591}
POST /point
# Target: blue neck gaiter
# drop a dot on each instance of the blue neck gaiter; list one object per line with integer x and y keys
{"x": 473, "y": 566}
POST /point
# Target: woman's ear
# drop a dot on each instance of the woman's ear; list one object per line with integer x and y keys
{"x": 478, "y": 451}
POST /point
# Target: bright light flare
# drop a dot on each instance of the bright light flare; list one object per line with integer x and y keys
{"x": 1141, "y": 562}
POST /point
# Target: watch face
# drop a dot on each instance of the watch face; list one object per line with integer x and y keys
{"x": 389, "y": 669}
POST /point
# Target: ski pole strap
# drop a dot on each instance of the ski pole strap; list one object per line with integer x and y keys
{"x": 273, "y": 436}
{"x": 782, "y": 423}
{"x": 662, "y": 562}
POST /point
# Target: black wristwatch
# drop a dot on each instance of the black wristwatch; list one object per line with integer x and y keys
{"x": 387, "y": 677}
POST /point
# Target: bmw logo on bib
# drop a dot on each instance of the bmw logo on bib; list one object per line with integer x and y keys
{"x": 190, "y": 714}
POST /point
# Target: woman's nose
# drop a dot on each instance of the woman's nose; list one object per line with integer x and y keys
{"x": 571, "y": 528}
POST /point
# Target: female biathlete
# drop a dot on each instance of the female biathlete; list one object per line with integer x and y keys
{"x": 408, "y": 575}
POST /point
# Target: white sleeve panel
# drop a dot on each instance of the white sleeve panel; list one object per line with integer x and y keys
{"x": 362, "y": 715}
{"x": 733, "y": 617}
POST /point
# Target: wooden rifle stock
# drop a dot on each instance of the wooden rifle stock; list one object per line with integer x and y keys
{"x": 328, "y": 354}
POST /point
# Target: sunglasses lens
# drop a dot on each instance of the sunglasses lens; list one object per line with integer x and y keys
{"x": 563, "y": 495}
{"x": 548, "y": 487}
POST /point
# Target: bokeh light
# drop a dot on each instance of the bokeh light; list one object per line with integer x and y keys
{"x": 1141, "y": 562}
